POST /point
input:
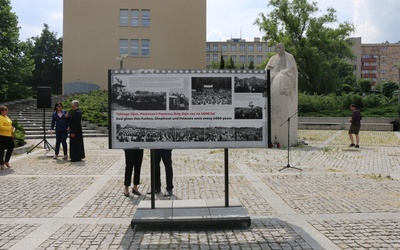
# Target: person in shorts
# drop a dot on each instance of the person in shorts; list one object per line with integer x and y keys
{"x": 355, "y": 126}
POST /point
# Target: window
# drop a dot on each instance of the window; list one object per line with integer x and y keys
{"x": 123, "y": 46}
{"x": 259, "y": 47}
{"x": 215, "y": 57}
{"x": 383, "y": 71}
{"x": 233, "y": 47}
{"x": 135, "y": 18}
{"x": 225, "y": 58}
{"x": 146, "y": 47}
{"x": 259, "y": 59}
{"x": 208, "y": 48}
{"x": 123, "y": 17}
{"x": 215, "y": 47}
{"x": 135, "y": 47}
{"x": 242, "y": 59}
{"x": 207, "y": 57}
{"x": 233, "y": 58}
{"x": 242, "y": 47}
{"x": 250, "y": 47}
{"x": 224, "y": 47}
{"x": 268, "y": 49}
{"x": 145, "y": 18}
{"x": 251, "y": 58}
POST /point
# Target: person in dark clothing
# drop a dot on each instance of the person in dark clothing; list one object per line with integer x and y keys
{"x": 59, "y": 121}
{"x": 133, "y": 159}
{"x": 76, "y": 147}
{"x": 166, "y": 156}
{"x": 355, "y": 126}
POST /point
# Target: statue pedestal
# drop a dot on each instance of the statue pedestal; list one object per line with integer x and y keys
{"x": 282, "y": 107}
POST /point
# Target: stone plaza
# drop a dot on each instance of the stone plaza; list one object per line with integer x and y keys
{"x": 342, "y": 199}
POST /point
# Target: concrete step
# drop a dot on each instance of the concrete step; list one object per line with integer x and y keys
{"x": 29, "y": 137}
{"x": 40, "y": 132}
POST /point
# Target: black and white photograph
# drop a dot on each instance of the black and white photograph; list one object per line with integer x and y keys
{"x": 250, "y": 111}
{"x": 190, "y": 134}
{"x": 212, "y": 91}
{"x": 130, "y": 133}
{"x": 178, "y": 99}
{"x": 219, "y": 134}
{"x": 140, "y": 100}
{"x": 160, "y": 134}
{"x": 248, "y": 134}
{"x": 249, "y": 85}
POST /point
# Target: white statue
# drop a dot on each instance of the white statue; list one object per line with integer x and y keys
{"x": 284, "y": 95}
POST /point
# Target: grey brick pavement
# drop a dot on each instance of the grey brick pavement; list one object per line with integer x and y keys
{"x": 343, "y": 199}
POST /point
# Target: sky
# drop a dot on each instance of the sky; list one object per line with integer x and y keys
{"x": 375, "y": 21}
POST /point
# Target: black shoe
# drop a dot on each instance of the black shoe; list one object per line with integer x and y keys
{"x": 136, "y": 192}
{"x": 126, "y": 194}
{"x": 357, "y": 146}
{"x": 75, "y": 160}
{"x": 156, "y": 192}
{"x": 168, "y": 193}
{"x": 352, "y": 145}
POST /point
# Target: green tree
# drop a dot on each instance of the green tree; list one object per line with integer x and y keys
{"x": 365, "y": 85}
{"x": 388, "y": 88}
{"x": 320, "y": 50}
{"x": 222, "y": 63}
{"x": 231, "y": 64}
{"x": 15, "y": 64}
{"x": 46, "y": 51}
{"x": 251, "y": 65}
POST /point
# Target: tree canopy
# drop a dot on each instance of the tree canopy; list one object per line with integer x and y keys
{"x": 15, "y": 65}
{"x": 319, "y": 49}
{"x": 46, "y": 50}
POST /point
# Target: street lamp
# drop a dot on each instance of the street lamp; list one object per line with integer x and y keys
{"x": 121, "y": 60}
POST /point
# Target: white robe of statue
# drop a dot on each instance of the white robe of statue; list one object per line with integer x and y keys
{"x": 284, "y": 96}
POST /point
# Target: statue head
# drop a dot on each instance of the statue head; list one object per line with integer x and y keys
{"x": 280, "y": 48}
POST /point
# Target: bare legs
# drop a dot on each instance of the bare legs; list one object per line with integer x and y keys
{"x": 352, "y": 139}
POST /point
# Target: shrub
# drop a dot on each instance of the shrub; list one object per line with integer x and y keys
{"x": 19, "y": 134}
{"x": 94, "y": 106}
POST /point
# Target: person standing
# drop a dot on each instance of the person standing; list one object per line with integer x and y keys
{"x": 6, "y": 138}
{"x": 133, "y": 162}
{"x": 76, "y": 147}
{"x": 59, "y": 121}
{"x": 355, "y": 126}
{"x": 166, "y": 156}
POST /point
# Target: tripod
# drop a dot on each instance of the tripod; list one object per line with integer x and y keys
{"x": 288, "y": 148}
{"x": 46, "y": 143}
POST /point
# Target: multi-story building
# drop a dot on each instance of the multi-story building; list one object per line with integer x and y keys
{"x": 241, "y": 51}
{"x": 380, "y": 62}
{"x": 100, "y": 34}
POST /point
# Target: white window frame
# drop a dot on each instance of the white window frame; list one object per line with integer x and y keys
{"x": 123, "y": 17}
{"x": 145, "y": 18}
{"x": 135, "y": 18}
{"x": 145, "y": 48}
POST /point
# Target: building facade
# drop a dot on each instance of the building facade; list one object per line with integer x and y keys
{"x": 99, "y": 35}
{"x": 379, "y": 62}
{"x": 241, "y": 51}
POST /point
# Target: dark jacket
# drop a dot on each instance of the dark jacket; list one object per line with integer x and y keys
{"x": 60, "y": 123}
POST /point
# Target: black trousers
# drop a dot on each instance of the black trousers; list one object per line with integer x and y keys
{"x": 61, "y": 138}
{"x": 166, "y": 156}
{"x": 6, "y": 143}
{"x": 133, "y": 159}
